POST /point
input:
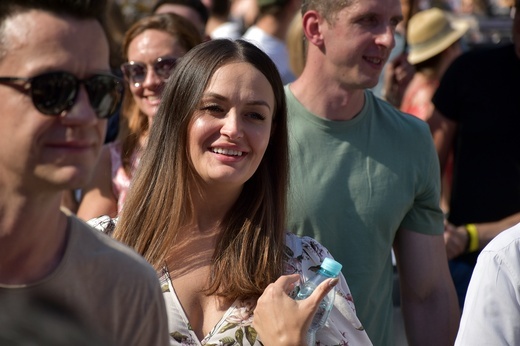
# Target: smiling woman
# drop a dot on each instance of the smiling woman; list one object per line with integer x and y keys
{"x": 224, "y": 97}
{"x": 231, "y": 128}
{"x": 207, "y": 207}
{"x": 152, "y": 48}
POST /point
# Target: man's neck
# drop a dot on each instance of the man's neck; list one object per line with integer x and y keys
{"x": 32, "y": 237}
{"x": 322, "y": 97}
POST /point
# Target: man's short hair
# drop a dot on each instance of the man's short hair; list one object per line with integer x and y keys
{"x": 328, "y": 9}
{"x": 79, "y": 9}
{"x": 196, "y": 5}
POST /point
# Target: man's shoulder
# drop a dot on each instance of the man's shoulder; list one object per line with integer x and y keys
{"x": 101, "y": 275}
{"x": 100, "y": 250}
{"x": 376, "y": 111}
{"x": 390, "y": 113}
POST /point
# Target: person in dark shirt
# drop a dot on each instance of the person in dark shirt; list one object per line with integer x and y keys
{"x": 476, "y": 116}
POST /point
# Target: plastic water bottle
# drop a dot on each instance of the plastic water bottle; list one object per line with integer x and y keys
{"x": 328, "y": 269}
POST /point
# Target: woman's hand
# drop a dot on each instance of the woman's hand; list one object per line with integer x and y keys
{"x": 282, "y": 321}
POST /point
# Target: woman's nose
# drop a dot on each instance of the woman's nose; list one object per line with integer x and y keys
{"x": 232, "y": 127}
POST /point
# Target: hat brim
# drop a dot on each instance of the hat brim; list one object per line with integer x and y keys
{"x": 425, "y": 52}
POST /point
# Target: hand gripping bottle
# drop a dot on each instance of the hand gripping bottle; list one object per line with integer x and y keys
{"x": 328, "y": 269}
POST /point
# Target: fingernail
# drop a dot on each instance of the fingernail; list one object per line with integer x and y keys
{"x": 333, "y": 282}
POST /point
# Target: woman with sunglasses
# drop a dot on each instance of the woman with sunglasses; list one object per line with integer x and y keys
{"x": 207, "y": 208}
{"x": 152, "y": 48}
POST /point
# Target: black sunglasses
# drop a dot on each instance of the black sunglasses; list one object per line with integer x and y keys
{"x": 55, "y": 92}
{"x": 135, "y": 72}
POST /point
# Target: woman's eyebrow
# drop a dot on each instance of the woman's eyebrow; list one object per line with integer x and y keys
{"x": 251, "y": 103}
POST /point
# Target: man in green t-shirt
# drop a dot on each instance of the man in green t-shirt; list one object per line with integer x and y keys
{"x": 365, "y": 177}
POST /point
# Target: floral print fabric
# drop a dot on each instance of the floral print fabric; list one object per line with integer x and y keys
{"x": 304, "y": 256}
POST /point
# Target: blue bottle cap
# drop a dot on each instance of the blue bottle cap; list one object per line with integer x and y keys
{"x": 331, "y": 266}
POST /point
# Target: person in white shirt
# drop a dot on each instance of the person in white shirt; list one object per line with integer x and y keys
{"x": 270, "y": 31}
{"x": 220, "y": 24}
{"x": 491, "y": 314}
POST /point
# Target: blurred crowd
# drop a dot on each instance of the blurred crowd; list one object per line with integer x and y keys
{"x": 188, "y": 163}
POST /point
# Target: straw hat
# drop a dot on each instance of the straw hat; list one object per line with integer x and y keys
{"x": 430, "y": 32}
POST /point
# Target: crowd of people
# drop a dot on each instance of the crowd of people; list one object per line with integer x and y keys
{"x": 172, "y": 170}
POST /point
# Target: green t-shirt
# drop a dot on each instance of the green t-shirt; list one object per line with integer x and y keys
{"x": 353, "y": 185}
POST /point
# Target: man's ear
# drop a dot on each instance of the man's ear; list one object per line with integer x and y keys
{"x": 313, "y": 23}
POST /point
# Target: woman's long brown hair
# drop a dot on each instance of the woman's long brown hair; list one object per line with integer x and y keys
{"x": 249, "y": 252}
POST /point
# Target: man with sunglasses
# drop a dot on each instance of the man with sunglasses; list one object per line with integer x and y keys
{"x": 56, "y": 95}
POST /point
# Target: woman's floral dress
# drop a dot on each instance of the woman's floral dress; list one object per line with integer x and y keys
{"x": 304, "y": 256}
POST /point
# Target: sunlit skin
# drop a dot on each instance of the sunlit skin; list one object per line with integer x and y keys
{"x": 231, "y": 128}
{"x": 146, "y": 48}
{"x": 345, "y": 56}
{"x": 359, "y": 41}
{"x": 43, "y": 152}
{"x": 43, "y": 155}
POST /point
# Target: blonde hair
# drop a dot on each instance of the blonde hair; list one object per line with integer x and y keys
{"x": 134, "y": 123}
{"x": 296, "y": 45}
